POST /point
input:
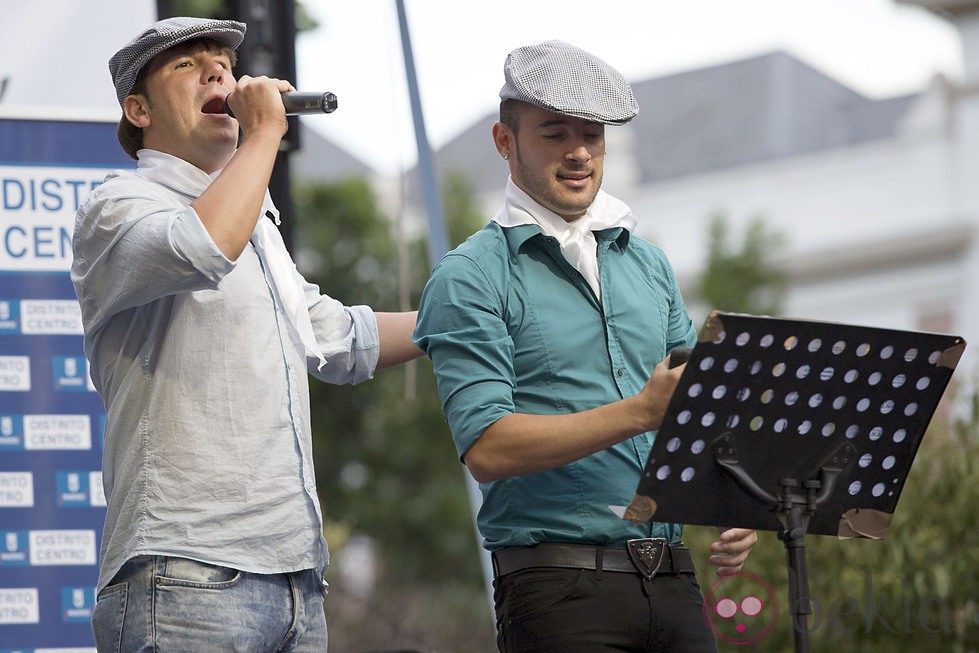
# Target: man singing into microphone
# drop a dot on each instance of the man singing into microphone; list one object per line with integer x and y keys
{"x": 200, "y": 332}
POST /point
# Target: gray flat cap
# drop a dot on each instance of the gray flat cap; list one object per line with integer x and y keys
{"x": 565, "y": 79}
{"x": 125, "y": 65}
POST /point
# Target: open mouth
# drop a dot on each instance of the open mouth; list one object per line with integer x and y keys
{"x": 214, "y": 105}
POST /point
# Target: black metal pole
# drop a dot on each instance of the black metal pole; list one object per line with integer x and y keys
{"x": 164, "y": 9}
{"x": 269, "y": 49}
{"x": 799, "y": 592}
{"x": 794, "y": 513}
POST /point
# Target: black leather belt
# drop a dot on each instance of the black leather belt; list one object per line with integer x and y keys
{"x": 646, "y": 557}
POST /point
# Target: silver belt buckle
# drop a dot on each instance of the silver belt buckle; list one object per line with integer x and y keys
{"x": 647, "y": 554}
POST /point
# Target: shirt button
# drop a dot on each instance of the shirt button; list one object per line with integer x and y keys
{"x": 620, "y": 372}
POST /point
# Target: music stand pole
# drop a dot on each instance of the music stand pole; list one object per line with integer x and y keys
{"x": 794, "y": 508}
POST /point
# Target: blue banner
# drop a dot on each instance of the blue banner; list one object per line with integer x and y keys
{"x": 51, "y": 419}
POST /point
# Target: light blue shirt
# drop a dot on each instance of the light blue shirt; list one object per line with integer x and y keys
{"x": 207, "y": 438}
{"x": 511, "y": 327}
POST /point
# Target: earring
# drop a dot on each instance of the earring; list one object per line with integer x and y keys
{"x": 506, "y": 156}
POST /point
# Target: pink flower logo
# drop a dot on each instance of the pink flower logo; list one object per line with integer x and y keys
{"x": 741, "y": 608}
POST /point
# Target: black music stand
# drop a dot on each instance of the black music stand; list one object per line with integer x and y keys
{"x": 796, "y": 427}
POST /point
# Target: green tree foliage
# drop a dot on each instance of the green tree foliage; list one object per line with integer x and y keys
{"x": 385, "y": 464}
{"x": 462, "y": 212}
{"x": 345, "y": 242}
{"x": 746, "y": 280}
{"x": 462, "y": 217}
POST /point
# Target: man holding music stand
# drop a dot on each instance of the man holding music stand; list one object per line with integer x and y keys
{"x": 549, "y": 331}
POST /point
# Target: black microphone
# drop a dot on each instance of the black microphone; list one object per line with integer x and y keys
{"x": 297, "y": 103}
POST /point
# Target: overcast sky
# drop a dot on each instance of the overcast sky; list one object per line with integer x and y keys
{"x": 876, "y": 46}
{"x": 54, "y": 52}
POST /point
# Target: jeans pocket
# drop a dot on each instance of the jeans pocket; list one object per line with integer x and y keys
{"x": 109, "y": 616}
{"x": 181, "y": 572}
{"x": 194, "y": 600}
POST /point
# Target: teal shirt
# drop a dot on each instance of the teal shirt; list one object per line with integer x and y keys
{"x": 512, "y": 327}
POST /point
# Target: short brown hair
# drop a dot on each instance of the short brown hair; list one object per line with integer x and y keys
{"x": 509, "y": 110}
{"x": 130, "y": 136}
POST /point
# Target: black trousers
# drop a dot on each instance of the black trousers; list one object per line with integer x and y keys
{"x": 570, "y": 610}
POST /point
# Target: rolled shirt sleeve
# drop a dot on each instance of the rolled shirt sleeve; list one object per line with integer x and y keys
{"x": 133, "y": 244}
{"x": 461, "y": 328}
{"x": 349, "y": 339}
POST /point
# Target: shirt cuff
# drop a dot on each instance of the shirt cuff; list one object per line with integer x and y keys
{"x": 367, "y": 342}
{"x": 194, "y": 243}
{"x": 474, "y": 409}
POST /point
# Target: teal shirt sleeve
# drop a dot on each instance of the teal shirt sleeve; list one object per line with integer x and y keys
{"x": 461, "y": 328}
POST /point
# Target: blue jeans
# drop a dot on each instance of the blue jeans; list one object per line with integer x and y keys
{"x": 160, "y": 603}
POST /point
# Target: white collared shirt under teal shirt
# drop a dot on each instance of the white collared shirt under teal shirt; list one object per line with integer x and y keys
{"x": 511, "y": 327}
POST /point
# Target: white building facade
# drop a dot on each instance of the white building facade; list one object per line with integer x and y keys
{"x": 877, "y": 199}
{"x": 881, "y": 232}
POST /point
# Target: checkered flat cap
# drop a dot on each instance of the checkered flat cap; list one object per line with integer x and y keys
{"x": 125, "y": 64}
{"x": 565, "y": 79}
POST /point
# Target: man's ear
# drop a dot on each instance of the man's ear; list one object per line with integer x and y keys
{"x": 503, "y": 139}
{"x": 135, "y": 109}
